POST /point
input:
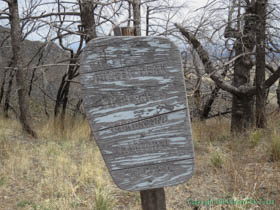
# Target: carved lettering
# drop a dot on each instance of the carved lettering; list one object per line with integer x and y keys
{"x": 111, "y": 100}
{"x": 128, "y": 73}
{"x": 135, "y": 100}
{"x": 149, "y": 170}
{"x": 141, "y": 146}
{"x": 159, "y": 120}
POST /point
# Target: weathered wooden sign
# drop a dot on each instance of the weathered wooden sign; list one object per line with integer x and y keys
{"x": 135, "y": 101}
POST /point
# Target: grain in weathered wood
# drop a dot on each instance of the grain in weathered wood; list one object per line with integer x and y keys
{"x": 154, "y": 175}
{"x": 153, "y": 199}
{"x": 135, "y": 100}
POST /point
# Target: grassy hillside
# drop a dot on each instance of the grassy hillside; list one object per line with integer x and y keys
{"x": 66, "y": 171}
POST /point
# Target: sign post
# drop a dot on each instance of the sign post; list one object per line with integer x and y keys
{"x": 135, "y": 101}
{"x": 153, "y": 199}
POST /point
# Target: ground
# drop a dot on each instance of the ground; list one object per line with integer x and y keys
{"x": 64, "y": 170}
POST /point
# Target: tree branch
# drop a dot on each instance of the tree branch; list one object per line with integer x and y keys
{"x": 209, "y": 68}
{"x": 267, "y": 84}
{"x": 52, "y": 14}
{"x": 272, "y": 79}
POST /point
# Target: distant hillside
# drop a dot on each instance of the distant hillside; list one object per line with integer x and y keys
{"x": 47, "y": 79}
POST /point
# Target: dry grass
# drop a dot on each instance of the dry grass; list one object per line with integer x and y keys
{"x": 64, "y": 170}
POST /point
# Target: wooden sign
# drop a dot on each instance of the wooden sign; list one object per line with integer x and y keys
{"x": 135, "y": 101}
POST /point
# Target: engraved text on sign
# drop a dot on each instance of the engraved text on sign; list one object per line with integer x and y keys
{"x": 135, "y": 100}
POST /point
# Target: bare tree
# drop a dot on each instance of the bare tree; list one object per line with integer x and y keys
{"x": 17, "y": 47}
{"x": 83, "y": 20}
{"x": 244, "y": 36}
{"x": 260, "y": 10}
{"x": 136, "y": 4}
{"x": 278, "y": 95}
{"x": 88, "y": 32}
{"x": 79, "y": 21}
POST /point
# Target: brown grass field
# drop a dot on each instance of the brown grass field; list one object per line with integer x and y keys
{"x": 65, "y": 171}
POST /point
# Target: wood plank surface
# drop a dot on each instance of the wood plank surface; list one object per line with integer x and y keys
{"x": 153, "y": 199}
{"x": 135, "y": 100}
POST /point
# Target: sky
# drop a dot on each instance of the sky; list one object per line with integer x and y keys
{"x": 195, "y": 4}
{"x": 191, "y": 4}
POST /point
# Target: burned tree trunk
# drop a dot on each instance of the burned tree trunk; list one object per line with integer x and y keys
{"x": 214, "y": 94}
{"x": 63, "y": 91}
{"x": 208, "y": 105}
{"x": 243, "y": 105}
{"x": 8, "y": 93}
{"x": 17, "y": 48}
{"x": 136, "y": 5}
{"x": 88, "y": 27}
{"x": 243, "y": 115}
{"x": 2, "y": 86}
{"x": 242, "y": 110}
{"x": 278, "y": 95}
{"x": 5, "y": 95}
{"x": 87, "y": 8}
{"x": 148, "y": 20}
{"x": 260, "y": 63}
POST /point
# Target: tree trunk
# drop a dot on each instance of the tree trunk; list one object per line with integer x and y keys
{"x": 243, "y": 105}
{"x": 129, "y": 14}
{"x": 62, "y": 95}
{"x": 77, "y": 110}
{"x": 2, "y": 86}
{"x": 208, "y": 105}
{"x": 87, "y": 8}
{"x": 243, "y": 92}
{"x": 17, "y": 48}
{"x": 214, "y": 94}
{"x": 8, "y": 93}
{"x": 278, "y": 95}
{"x": 242, "y": 114}
{"x": 137, "y": 16}
{"x": 260, "y": 63}
{"x": 147, "y": 20}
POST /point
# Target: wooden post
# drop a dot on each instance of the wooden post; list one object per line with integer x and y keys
{"x": 153, "y": 199}
{"x": 124, "y": 31}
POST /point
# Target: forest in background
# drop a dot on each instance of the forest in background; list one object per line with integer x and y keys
{"x": 230, "y": 50}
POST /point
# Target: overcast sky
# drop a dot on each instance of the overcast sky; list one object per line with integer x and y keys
{"x": 197, "y": 3}
{"x": 191, "y": 4}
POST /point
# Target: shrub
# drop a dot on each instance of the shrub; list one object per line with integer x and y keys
{"x": 216, "y": 157}
{"x": 275, "y": 148}
{"x": 103, "y": 199}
